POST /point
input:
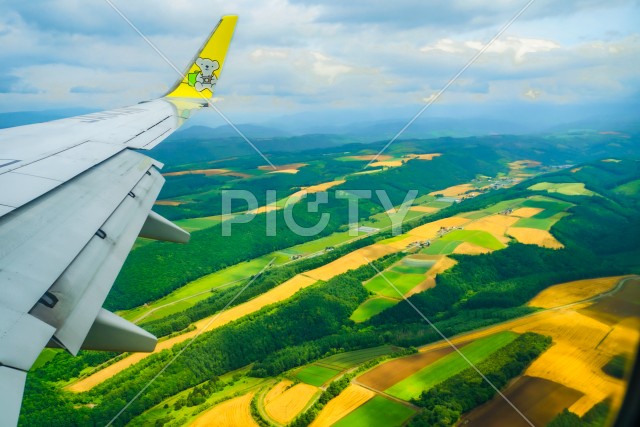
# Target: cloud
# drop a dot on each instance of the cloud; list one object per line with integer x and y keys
{"x": 295, "y": 55}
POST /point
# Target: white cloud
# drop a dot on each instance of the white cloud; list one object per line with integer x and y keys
{"x": 290, "y": 55}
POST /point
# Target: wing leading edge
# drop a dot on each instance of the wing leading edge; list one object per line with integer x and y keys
{"x": 73, "y": 198}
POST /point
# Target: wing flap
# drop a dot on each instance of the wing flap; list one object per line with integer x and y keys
{"x": 42, "y": 238}
{"x": 22, "y": 338}
{"x": 11, "y": 389}
{"x": 81, "y": 290}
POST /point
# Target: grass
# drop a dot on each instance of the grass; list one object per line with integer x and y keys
{"x": 371, "y": 307}
{"x": 320, "y": 244}
{"x": 316, "y": 375}
{"x": 629, "y": 189}
{"x": 450, "y": 365}
{"x": 351, "y": 359}
{"x": 201, "y": 285}
{"x": 441, "y": 247}
{"x": 403, "y": 282}
{"x": 550, "y": 206}
{"x": 46, "y": 355}
{"x": 499, "y": 207}
{"x": 378, "y": 411}
{"x": 567, "y": 188}
{"x": 477, "y": 237}
{"x": 475, "y": 215}
{"x": 195, "y": 224}
{"x": 540, "y": 223}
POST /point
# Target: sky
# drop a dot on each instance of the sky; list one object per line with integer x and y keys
{"x": 334, "y": 60}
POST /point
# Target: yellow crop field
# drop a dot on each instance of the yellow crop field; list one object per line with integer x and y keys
{"x": 276, "y": 391}
{"x": 526, "y": 212}
{"x": 430, "y": 230}
{"x": 567, "y": 293}
{"x": 170, "y": 202}
{"x": 467, "y": 248}
{"x": 350, "y": 261}
{"x": 533, "y": 236}
{"x": 423, "y": 156}
{"x": 346, "y": 402}
{"x": 208, "y": 172}
{"x": 454, "y": 191}
{"x": 522, "y": 164}
{"x": 381, "y": 157}
{"x": 387, "y": 163}
{"x": 295, "y": 197}
{"x": 232, "y": 413}
{"x": 281, "y": 168}
{"x": 284, "y": 406}
{"x": 264, "y": 209}
{"x": 443, "y": 263}
{"x": 423, "y": 209}
{"x": 498, "y": 225}
{"x": 277, "y": 294}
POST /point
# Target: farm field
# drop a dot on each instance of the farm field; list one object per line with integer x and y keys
{"x": 629, "y": 189}
{"x": 354, "y": 358}
{"x": 377, "y": 411}
{"x": 566, "y": 293}
{"x": 540, "y": 223}
{"x": 441, "y": 264}
{"x": 449, "y": 366}
{"x": 466, "y": 248}
{"x": 476, "y": 237}
{"x": 279, "y": 293}
{"x": 371, "y": 307}
{"x": 350, "y": 261}
{"x": 187, "y": 414}
{"x": 534, "y": 236}
{"x": 539, "y": 400}
{"x": 316, "y": 375}
{"x": 441, "y": 247}
{"x": 453, "y": 191}
{"x": 202, "y": 285}
{"x": 389, "y": 373}
{"x": 567, "y": 188}
{"x": 346, "y": 402}
{"x": 234, "y": 412}
{"x": 283, "y": 405}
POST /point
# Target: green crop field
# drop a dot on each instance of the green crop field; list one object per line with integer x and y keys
{"x": 567, "y": 188}
{"x": 316, "y": 375}
{"x": 441, "y": 247}
{"x": 475, "y": 215}
{"x": 629, "y": 189}
{"x": 540, "y": 222}
{"x": 320, "y": 244}
{"x": 378, "y": 411}
{"x": 415, "y": 266}
{"x": 402, "y": 282}
{"x": 550, "y": 206}
{"x": 477, "y": 237}
{"x": 350, "y": 359}
{"x": 449, "y": 366}
{"x": 371, "y": 307}
{"x": 500, "y": 206}
{"x": 195, "y": 224}
{"x": 198, "y": 289}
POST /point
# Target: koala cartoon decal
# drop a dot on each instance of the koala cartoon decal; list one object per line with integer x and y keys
{"x": 205, "y": 79}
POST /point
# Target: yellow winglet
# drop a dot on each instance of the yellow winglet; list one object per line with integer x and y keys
{"x": 200, "y": 79}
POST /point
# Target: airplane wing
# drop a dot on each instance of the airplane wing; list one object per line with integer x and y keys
{"x": 74, "y": 195}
